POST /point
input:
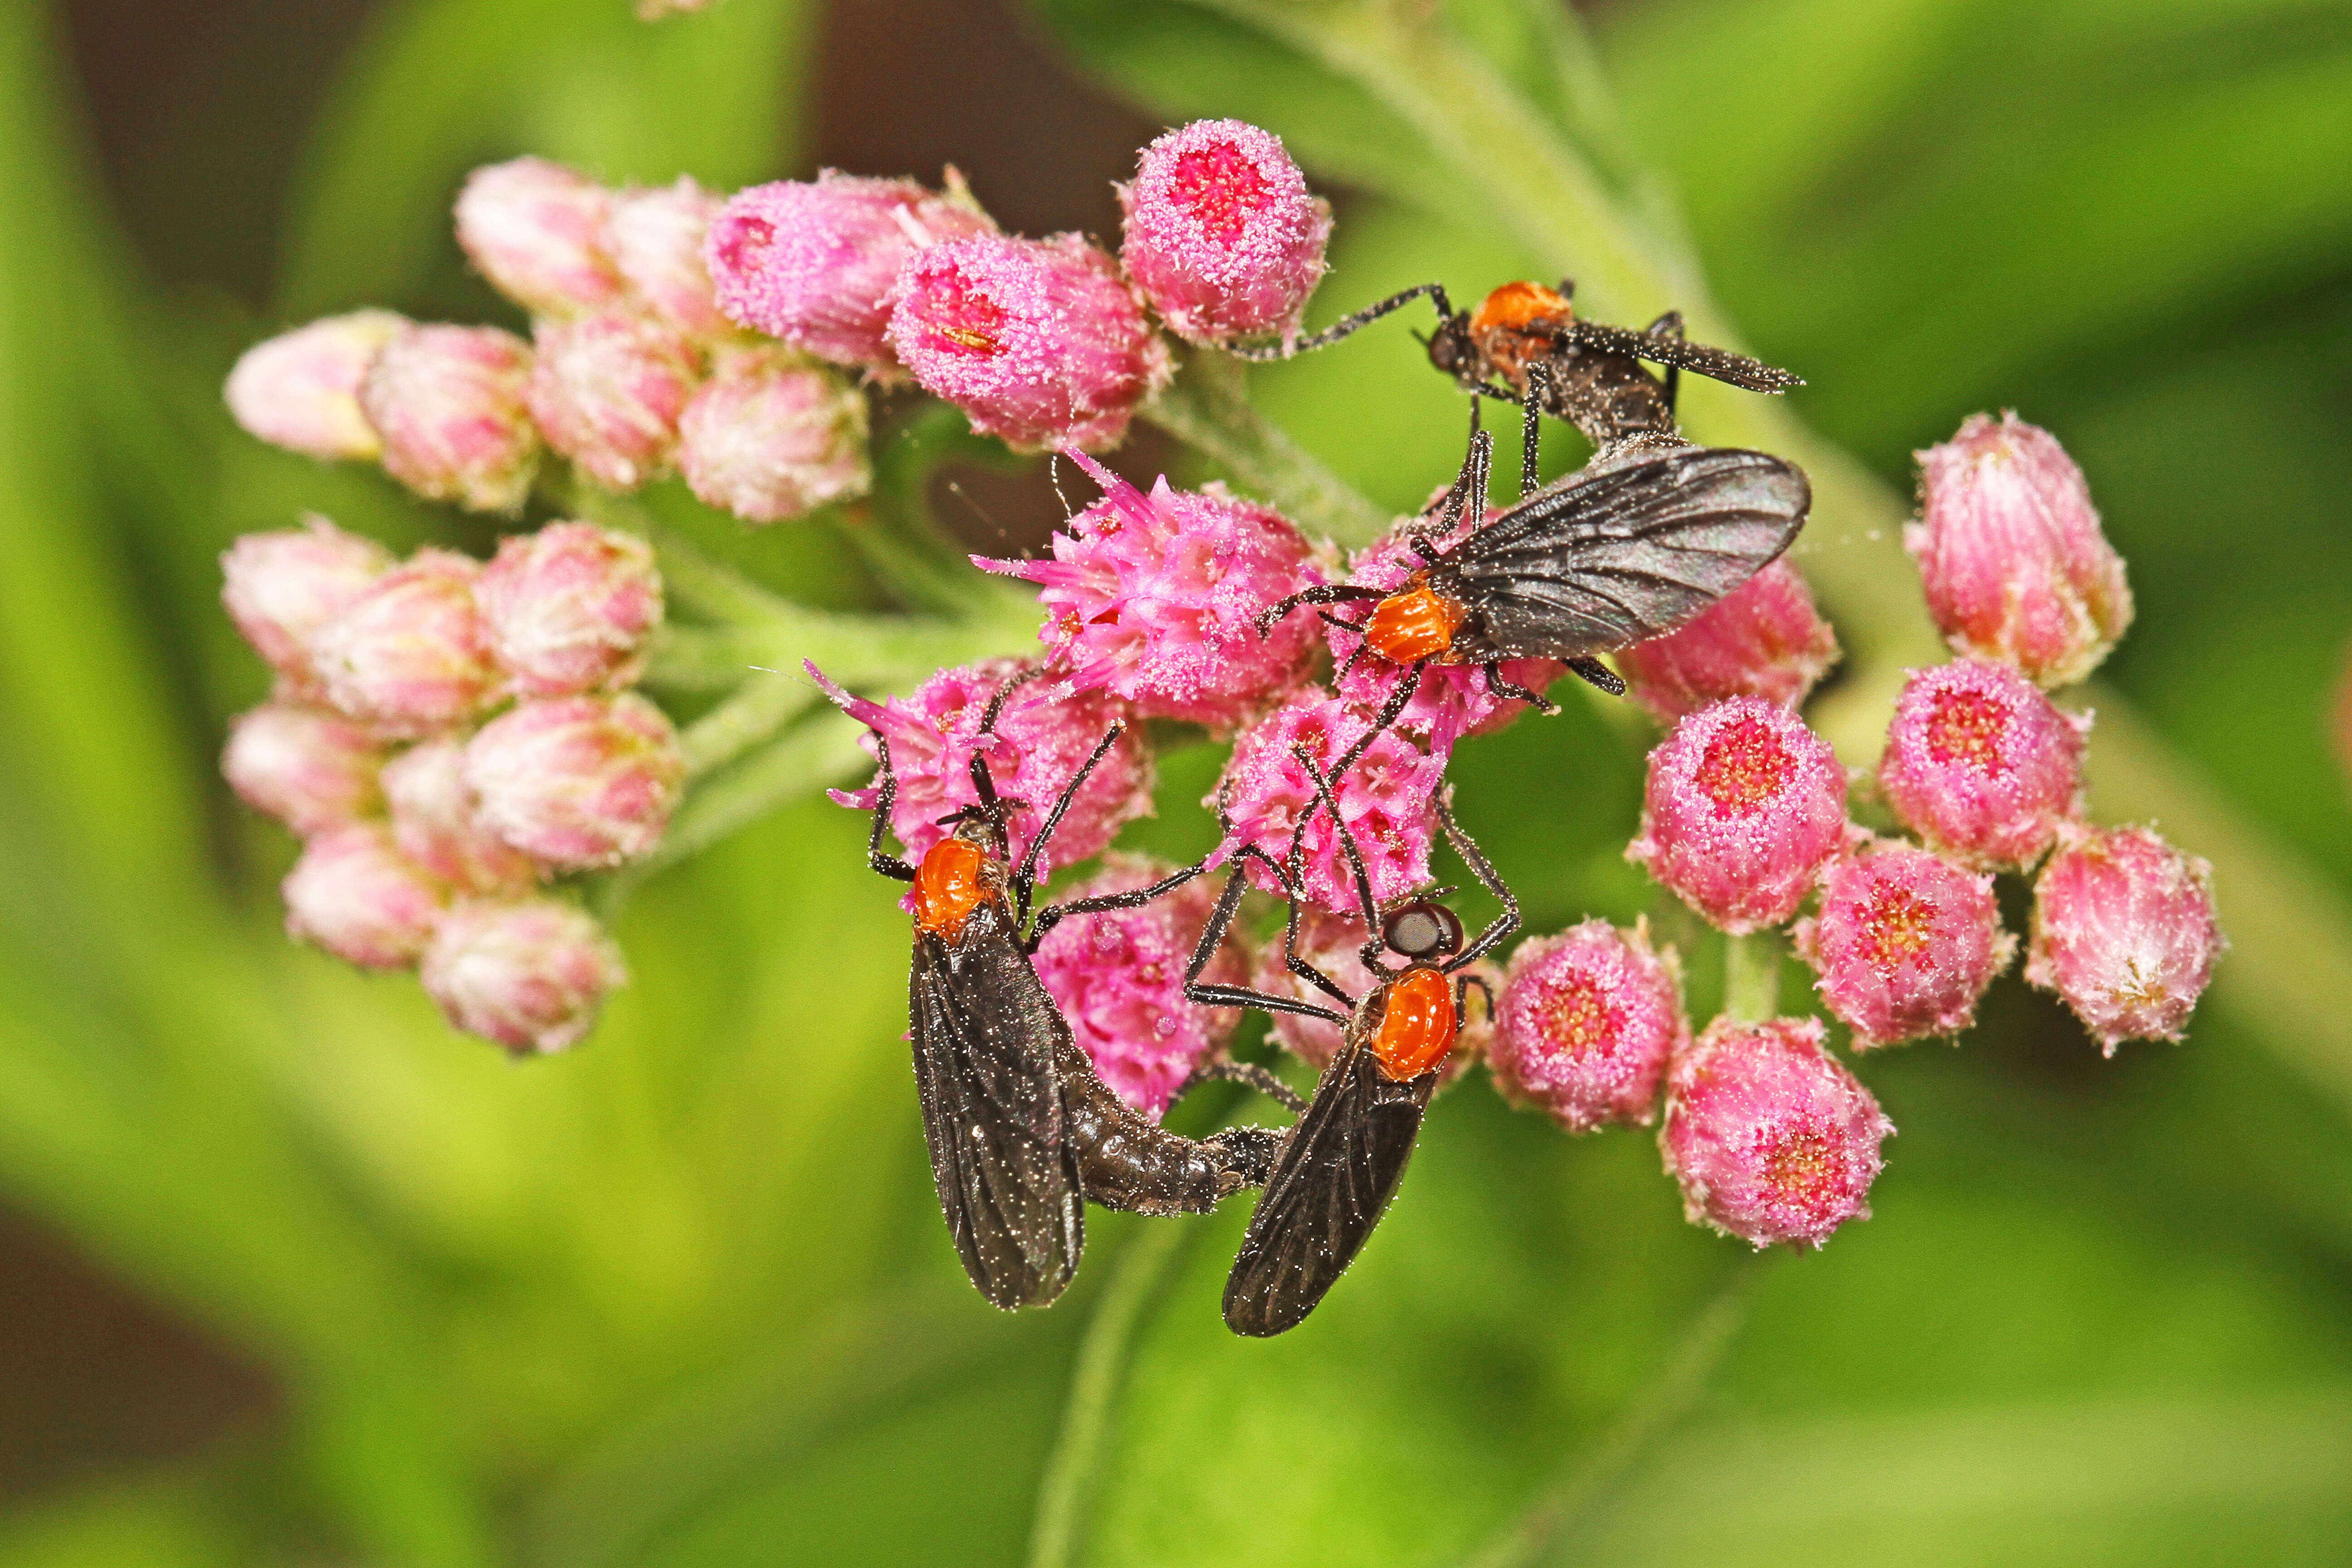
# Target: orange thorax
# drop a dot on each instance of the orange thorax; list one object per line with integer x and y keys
{"x": 948, "y": 886}
{"x": 1415, "y": 623}
{"x": 1417, "y": 1025}
{"x": 1516, "y": 325}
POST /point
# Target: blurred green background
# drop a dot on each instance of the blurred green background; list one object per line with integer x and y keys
{"x": 291, "y": 1275}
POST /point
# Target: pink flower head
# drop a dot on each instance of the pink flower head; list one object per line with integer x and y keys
{"x": 1038, "y": 341}
{"x": 1586, "y": 1021}
{"x": 281, "y": 587}
{"x": 1763, "y": 639}
{"x": 1222, "y": 235}
{"x": 1043, "y": 736}
{"x": 770, "y": 436}
{"x": 655, "y": 239}
{"x": 449, "y": 402}
{"x": 2011, "y": 550}
{"x": 529, "y": 974}
{"x": 1982, "y": 764}
{"x": 1905, "y": 944}
{"x": 607, "y": 391}
{"x": 436, "y": 825}
{"x": 355, "y": 895}
{"x": 1770, "y": 1138}
{"x": 1744, "y": 806}
{"x": 1333, "y": 944}
{"x": 1389, "y": 799}
{"x": 1452, "y": 700}
{"x": 300, "y": 390}
{"x": 2124, "y": 930}
{"x": 536, "y": 229}
{"x": 1117, "y": 976}
{"x": 577, "y": 781}
{"x": 410, "y": 655}
{"x": 310, "y": 770}
{"x": 569, "y": 608}
{"x": 1156, "y": 597}
{"x": 814, "y": 263}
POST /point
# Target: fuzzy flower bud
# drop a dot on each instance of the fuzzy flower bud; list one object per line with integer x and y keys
{"x": 1155, "y": 598}
{"x": 1905, "y": 944}
{"x": 1770, "y": 1138}
{"x": 1763, "y": 639}
{"x": 814, "y": 263}
{"x": 569, "y": 608}
{"x": 2124, "y": 930}
{"x": 281, "y": 587}
{"x": 1334, "y": 945}
{"x": 529, "y": 975}
{"x": 655, "y": 238}
{"x": 577, "y": 781}
{"x": 449, "y": 402}
{"x": 771, "y": 436}
{"x": 1982, "y": 764}
{"x": 1744, "y": 806}
{"x": 300, "y": 390}
{"x": 1117, "y": 976}
{"x": 607, "y": 391}
{"x": 355, "y": 895}
{"x": 1042, "y": 738}
{"x": 1585, "y": 1023}
{"x": 1452, "y": 700}
{"x": 1222, "y": 235}
{"x": 435, "y": 824}
{"x": 310, "y": 770}
{"x": 1388, "y": 798}
{"x": 410, "y": 655}
{"x": 2010, "y": 549}
{"x": 536, "y": 229}
{"x": 1038, "y": 341}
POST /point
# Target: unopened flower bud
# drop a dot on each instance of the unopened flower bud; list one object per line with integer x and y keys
{"x": 607, "y": 390}
{"x": 1980, "y": 763}
{"x": 2010, "y": 549}
{"x": 527, "y": 974}
{"x": 1585, "y": 1023}
{"x": 1157, "y": 599}
{"x": 1744, "y": 806}
{"x": 1770, "y": 1138}
{"x": 353, "y": 893}
{"x": 655, "y": 238}
{"x": 410, "y": 655}
{"x": 300, "y": 390}
{"x": 1043, "y": 736}
{"x": 1038, "y": 341}
{"x": 281, "y": 587}
{"x": 770, "y": 436}
{"x": 1388, "y": 798}
{"x": 310, "y": 770}
{"x": 814, "y": 261}
{"x": 1333, "y": 944}
{"x": 435, "y": 824}
{"x": 577, "y": 781}
{"x": 1905, "y": 944}
{"x": 449, "y": 402}
{"x": 1117, "y": 976}
{"x": 569, "y": 608}
{"x": 2124, "y": 930}
{"x": 537, "y": 231}
{"x": 1222, "y": 235}
{"x": 1763, "y": 639}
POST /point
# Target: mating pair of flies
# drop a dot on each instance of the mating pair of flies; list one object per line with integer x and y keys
{"x": 1023, "y": 1132}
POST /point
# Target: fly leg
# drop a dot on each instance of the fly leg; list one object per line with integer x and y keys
{"x": 1321, "y": 594}
{"x": 1462, "y": 999}
{"x": 1291, "y": 960}
{"x": 1259, "y": 1078}
{"x": 1511, "y": 691}
{"x": 1598, "y": 673}
{"x": 1669, "y": 325}
{"x": 1387, "y": 716}
{"x": 1530, "y": 428}
{"x": 887, "y": 865}
{"x": 1219, "y": 919}
{"x": 1024, "y": 877}
{"x": 1055, "y": 914}
{"x": 1347, "y": 326}
{"x": 1374, "y": 944}
{"x": 1502, "y": 925}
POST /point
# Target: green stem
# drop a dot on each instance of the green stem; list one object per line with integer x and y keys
{"x": 760, "y": 706}
{"x": 1751, "y": 976}
{"x": 1208, "y": 409}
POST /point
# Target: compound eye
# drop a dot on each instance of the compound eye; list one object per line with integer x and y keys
{"x": 1422, "y": 930}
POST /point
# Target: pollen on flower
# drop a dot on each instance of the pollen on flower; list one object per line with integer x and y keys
{"x": 1222, "y": 235}
{"x": 1744, "y": 766}
{"x": 1980, "y": 763}
{"x": 2125, "y": 931}
{"x": 1905, "y": 943}
{"x": 1586, "y": 1022}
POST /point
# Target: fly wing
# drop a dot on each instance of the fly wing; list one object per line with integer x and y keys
{"x": 1715, "y": 364}
{"x": 1622, "y": 555}
{"x": 1343, "y": 1161}
{"x": 986, "y": 1035}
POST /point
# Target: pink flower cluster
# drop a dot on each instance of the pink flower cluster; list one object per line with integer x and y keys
{"x": 431, "y": 818}
{"x": 632, "y": 372}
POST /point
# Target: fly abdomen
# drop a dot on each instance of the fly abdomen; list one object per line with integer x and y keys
{"x": 1127, "y": 1161}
